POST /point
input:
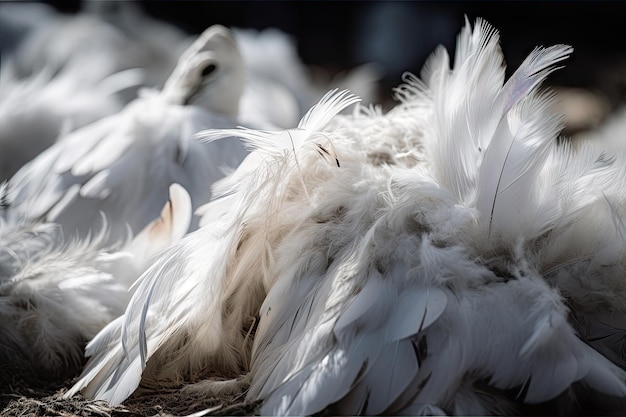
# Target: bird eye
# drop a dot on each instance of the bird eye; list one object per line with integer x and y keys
{"x": 209, "y": 69}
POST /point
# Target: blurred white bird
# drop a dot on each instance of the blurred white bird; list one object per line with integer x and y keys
{"x": 435, "y": 259}
{"x": 122, "y": 165}
{"x": 56, "y": 294}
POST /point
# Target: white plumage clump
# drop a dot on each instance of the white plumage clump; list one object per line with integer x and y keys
{"x": 447, "y": 257}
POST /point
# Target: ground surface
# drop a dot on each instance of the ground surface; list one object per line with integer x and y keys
{"x": 22, "y": 396}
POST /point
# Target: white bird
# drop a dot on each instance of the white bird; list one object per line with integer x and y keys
{"x": 56, "y": 294}
{"x": 69, "y": 71}
{"x": 430, "y": 261}
{"x": 122, "y": 165}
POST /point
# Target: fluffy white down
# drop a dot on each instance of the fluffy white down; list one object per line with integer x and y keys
{"x": 57, "y": 293}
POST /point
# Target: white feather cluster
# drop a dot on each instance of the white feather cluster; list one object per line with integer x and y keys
{"x": 405, "y": 262}
{"x": 448, "y": 256}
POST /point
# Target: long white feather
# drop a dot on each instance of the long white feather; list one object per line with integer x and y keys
{"x": 507, "y": 195}
{"x": 461, "y": 114}
{"x": 529, "y": 128}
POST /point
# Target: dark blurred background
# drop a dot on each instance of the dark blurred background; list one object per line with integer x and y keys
{"x": 337, "y": 35}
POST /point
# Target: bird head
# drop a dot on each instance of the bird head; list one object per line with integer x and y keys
{"x": 209, "y": 74}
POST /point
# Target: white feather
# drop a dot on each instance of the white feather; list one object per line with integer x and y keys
{"x": 527, "y": 128}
